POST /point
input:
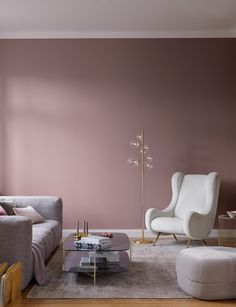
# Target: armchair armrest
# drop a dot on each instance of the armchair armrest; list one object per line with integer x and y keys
{"x": 16, "y": 243}
{"x": 196, "y": 225}
{"x": 152, "y": 213}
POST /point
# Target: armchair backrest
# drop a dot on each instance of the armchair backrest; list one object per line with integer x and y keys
{"x": 198, "y": 193}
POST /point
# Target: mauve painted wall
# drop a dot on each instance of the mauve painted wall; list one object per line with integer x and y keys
{"x": 70, "y": 108}
{"x": 1, "y": 126}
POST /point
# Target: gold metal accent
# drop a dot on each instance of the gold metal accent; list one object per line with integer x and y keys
{"x": 142, "y": 181}
{"x": 79, "y": 235}
{"x": 3, "y": 268}
{"x": 94, "y": 267}
{"x": 204, "y": 242}
{"x": 16, "y": 271}
{"x": 130, "y": 254}
{"x": 189, "y": 241}
{"x": 142, "y": 240}
{"x": 12, "y": 285}
{"x": 158, "y": 235}
{"x": 175, "y": 237}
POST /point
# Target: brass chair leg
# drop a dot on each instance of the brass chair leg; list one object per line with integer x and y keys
{"x": 174, "y": 237}
{"x": 158, "y": 235}
{"x": 204, "y": 242}
{"x": 189, "y": 241}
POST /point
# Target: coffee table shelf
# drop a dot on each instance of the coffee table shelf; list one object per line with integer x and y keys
{"x": 72, "y": 264}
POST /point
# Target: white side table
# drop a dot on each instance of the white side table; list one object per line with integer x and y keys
{"x": 227, "y": 231}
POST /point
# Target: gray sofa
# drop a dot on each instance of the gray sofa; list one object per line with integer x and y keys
{"x": 18, "y": 235}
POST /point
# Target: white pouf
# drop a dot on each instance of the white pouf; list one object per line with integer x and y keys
{"x": 207, "y": 272}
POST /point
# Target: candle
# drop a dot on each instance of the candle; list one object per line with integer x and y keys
{"x": 87, "y": 229}
{"x": 78, "y": 226}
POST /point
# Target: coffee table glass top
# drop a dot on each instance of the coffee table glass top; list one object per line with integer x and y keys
{"x": 119, "y": 242}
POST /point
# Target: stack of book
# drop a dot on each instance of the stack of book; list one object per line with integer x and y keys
{"x": 104, "y": 261}
{"x": 112, "y": 257}
{"x": 93, "y": 242}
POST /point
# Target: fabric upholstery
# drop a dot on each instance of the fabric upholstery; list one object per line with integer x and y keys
{"x": 192, "y": 195}
{"x": 18, "y": 233}
{"x": 47, "y": 235}
{"x": 2, "y": 211}
{"x": 29, "y": 212}
{"x": 8, "y": 206}
{"x": 192, "y": 208}
{"x": 161, "y": 224}
{"x": 207, "y": 272}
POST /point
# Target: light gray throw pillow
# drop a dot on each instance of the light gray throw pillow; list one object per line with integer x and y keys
{"x": 29, "y": 212}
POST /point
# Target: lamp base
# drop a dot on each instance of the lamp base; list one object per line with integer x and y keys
{"x": 142, "y": 241}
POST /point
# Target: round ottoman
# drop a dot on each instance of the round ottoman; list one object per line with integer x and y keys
{"x": 207, "y": 273}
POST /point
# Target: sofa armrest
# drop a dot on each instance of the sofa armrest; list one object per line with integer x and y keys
{"x": 16, "y": 243}
{"x": 50, "y": 207}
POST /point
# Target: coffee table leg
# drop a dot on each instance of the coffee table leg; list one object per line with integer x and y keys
{"x": 94, "y": 268}
{"x": 130, "y": 254}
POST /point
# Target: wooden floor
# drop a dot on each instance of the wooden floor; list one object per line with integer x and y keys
{"x": 122, "y": 302}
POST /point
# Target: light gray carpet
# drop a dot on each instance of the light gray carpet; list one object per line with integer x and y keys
{"x": 152, "y": 275}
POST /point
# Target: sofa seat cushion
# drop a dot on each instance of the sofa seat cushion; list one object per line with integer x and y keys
{"x": 162, "y": 224}
{"x": 207, "y": 272}
{"x": 47, "y": 235}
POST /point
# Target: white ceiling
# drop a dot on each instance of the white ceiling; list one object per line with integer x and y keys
{"x": 117, "y": 18}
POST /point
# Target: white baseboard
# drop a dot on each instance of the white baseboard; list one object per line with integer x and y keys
{"x": 132, "y": 233}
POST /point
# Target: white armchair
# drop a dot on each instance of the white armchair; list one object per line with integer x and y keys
{"x": 192, "y": 208}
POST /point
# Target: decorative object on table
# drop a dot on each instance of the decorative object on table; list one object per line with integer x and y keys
{"x": 93, "y": 242}
{"x": 231, "y": 213}
{"x": 78, "y": 235}
{"x": 227, "y": 230}
{"x": 104, "y": 260}
{"x": 106, "y": 234}
{"x": 144, "y": 161}
{"x": 192, "y": 209}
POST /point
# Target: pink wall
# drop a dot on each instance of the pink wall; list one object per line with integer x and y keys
{"x": 70, "y": 108}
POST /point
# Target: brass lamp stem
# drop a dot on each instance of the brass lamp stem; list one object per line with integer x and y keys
{"x": 142, "y": 240}
{"x": 142, "y": 182}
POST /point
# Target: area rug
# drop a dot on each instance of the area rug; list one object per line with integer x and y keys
{"x": 152, "y": 275}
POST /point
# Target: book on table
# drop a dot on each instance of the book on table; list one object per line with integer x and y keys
{"x": 112, "y": 257}
{"x": 95, "y": 240}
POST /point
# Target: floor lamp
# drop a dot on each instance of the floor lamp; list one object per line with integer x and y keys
{"x": 144, "y": 161}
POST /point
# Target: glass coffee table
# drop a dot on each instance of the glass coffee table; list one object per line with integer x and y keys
{"x": 76, "y": 259}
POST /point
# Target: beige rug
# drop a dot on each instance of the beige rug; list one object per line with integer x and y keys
{"x": 152, "y": 275}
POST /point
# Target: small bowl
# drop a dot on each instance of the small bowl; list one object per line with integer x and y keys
{"x": 231, "y": 213}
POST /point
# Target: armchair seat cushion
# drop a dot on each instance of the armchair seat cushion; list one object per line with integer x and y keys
{"x": 164, "y": 224}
